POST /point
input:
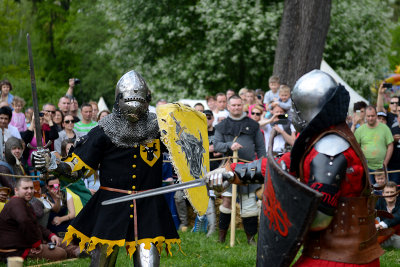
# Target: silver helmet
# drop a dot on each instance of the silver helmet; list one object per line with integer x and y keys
{"x": 132, "y": 96}
{"x": 309, "y": 95}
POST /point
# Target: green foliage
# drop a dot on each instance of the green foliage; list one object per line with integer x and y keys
{"x": 358, "y": 42}
{"x": 193, "y": 48}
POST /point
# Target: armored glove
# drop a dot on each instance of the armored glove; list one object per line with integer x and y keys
{"x": 43, "y": 160}
{"x": 219, "y": 179}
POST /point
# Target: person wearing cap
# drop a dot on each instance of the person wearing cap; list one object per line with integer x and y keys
{"x": 382, "y": 117}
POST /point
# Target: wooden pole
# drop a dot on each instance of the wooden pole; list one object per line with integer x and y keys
{"x": 233, "y": 213}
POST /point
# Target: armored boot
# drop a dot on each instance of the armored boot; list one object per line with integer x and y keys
{"x": 146, "y": 257}
{"x": 99, "y": 256}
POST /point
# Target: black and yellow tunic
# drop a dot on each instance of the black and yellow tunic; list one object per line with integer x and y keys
{"x": 137, "y": 168}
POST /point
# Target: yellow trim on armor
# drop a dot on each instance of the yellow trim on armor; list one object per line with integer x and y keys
{"x": 130, "y": 246}
{"x": 79, "y": 164}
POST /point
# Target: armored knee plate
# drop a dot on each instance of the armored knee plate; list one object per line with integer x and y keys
{"x": 146, "y": 257}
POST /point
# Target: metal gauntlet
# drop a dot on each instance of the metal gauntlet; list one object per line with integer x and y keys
{"x": 250, "y": 173}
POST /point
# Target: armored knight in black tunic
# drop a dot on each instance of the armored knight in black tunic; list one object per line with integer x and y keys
{"x": 126, "y": 149}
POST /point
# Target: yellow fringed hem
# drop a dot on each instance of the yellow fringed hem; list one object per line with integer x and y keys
{"x": 79, "y": 164}
{"x": 130, "y": 246}
{"x": 158, "y": 241}
{"x": 91, "y": 241}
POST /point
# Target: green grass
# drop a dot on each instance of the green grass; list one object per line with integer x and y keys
{"x": 202, "y": 251}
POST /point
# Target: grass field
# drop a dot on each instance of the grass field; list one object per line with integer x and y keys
{"x": 202, "y": 251}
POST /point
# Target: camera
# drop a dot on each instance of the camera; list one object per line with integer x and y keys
{"x": 283, "y": 116}
{"x": 41, "y": 114}
{"x": 259, "y": 97}
{"x": 387, "y": 85}
{"x": 77, "y": 81}
{"x": 51, "y": 245}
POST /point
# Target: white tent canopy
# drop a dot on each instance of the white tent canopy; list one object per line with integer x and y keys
{"x": 354, "y": 96}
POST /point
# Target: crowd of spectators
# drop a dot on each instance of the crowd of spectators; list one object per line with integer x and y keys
{"x": 237, "y": 121}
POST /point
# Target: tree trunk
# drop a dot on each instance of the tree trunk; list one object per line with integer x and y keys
{"x": 301, "y": 41}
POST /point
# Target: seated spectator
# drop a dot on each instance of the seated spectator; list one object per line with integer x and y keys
{"x": 21, "y": 234}
{"x": 358, "y": 116}
{"x": 380, "y": 181}
{"x": 256, "y": 113}
{"x": 102, "y": 114}
{"x": 391, "y": 205}
{"x": 18, "y": 118}
{"x": 5, "y": 95}
{"x": 8, "y": 130}
{"x": 61, "y": 206}
{"x": 4, "y": 195}
{"x": 49, "y": 132}
{"x": 58, "y": 120}
{"x": 12, "y": 162}
{"x": 68, "y": 133}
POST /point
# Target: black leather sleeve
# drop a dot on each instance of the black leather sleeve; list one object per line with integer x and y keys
{"x": 326, "y": 175}
{"x": 250, "y": 173}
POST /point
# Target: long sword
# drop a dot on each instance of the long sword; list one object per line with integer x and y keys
{"x": 167, "y": 189}
{"x": 38, "y": 127}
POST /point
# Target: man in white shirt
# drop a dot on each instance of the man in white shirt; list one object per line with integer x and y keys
{"x": 221, "y": 113}
{"x": 6, "y": 129}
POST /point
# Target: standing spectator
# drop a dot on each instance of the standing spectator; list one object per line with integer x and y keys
{"x": 382, "y": 117}
{"x": 391, "y": 205}
{"x": 199, "y": 107}
{"x": 239, "y": 133}
{"x": 359, "y": 115}
{"x": 68, "y": 133}
{"x": 230, "y": 92}
{"x": 211, "y": 215}
{"x": 286, "y": 132}
{"x": 95, "y": 108}
{"x": 272, "y": 95}
{"x": 58, "y": 120}
{"x": 284, "y": 100}
{"x": 211, "y": 103}
{"x": 394, "y": 103}
{"x": 6, "y": 96}
{"x": 242, "y": 95}
{"x": 21, "y": 234}
{"x": 63, "y": 104}
{"x": 250, "y": 101}
{"x": 376, "y": 141}
{"x": 221, "y": 112}
{"x": 7, "y": 129}
{"x": 86, "y": 124}
{"x": 74, "y": 109}
{"x": 28, "y": 116}
{"x": 50, "y": 108}
{"x": 102, "y": 114}
{"x": 394, "y": 163}
{"x": 18, "y": 118}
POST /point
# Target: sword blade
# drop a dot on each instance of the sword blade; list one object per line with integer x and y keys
{"x": 157, "y": 191}
{"x": 38, "y": 127}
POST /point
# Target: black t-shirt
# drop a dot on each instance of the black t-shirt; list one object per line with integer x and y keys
{"x": 391, "y": 118}
{"x": 213, "y": 163}
{"x": 394, "y": 162}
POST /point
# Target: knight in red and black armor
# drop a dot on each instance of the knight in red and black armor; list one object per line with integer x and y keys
{"x": 326, "y": 157}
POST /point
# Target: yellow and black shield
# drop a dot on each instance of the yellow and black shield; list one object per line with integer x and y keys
{"x": 184, "y": 132}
